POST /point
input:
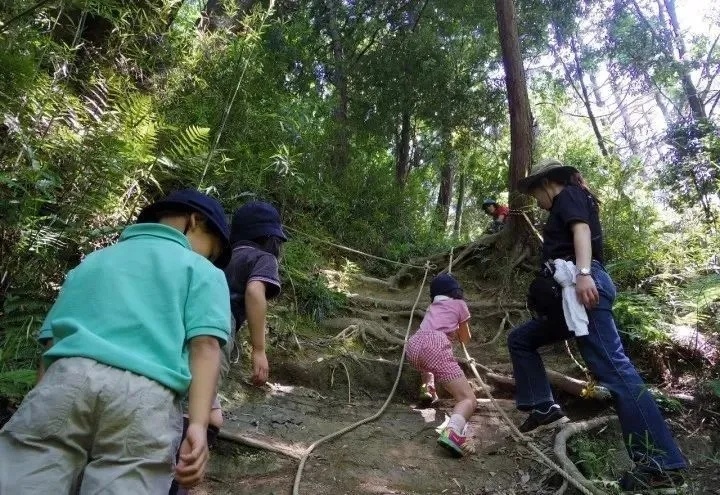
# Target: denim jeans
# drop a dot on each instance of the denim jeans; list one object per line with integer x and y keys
{"x": 647, "y": 436}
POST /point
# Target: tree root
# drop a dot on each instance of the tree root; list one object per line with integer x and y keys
{"x": 442, "y": 259}
{"x": 293, "y": 451}
{"x": 499, "y": 332}
{"x": 363, "y": 330}
{"x": 400, "y": 305}
{"x": 561, "y": 448}
{"x": 375, "y": 281}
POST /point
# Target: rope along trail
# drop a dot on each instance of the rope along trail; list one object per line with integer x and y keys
{"x": 339, "y": 433}
{"x": 516, "y": 434}
{"x": 352, "y": 250}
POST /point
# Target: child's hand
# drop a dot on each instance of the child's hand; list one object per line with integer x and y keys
{"x": 194, "y": 455}
{"x": 463, "y": 333}
{"x": 260, "y": 366}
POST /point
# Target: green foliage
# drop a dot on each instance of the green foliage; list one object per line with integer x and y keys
{"x": 691, "y": 171}
{"x": 638, "y": 316}
{"x": 714, "y": 387}
{"x": 595, "y": 456}
{"x": 16, "y": 383}
{"x": 304, "y": 285}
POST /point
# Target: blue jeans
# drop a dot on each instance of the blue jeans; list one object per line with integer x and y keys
{"x": 647, "y": 436}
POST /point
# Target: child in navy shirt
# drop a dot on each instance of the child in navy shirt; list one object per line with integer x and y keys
{"x": 256, "y": 236}
{"x": 253, "y": 277}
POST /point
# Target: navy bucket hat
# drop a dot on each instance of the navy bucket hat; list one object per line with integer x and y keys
{"x": 443, "y": 284}
{"x": 192, "y": 200}
{"x": 254, "y": 220}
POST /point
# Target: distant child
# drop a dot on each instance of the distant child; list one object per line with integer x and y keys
{"x": 135, "y": 326}
{"x": 429, "y": 351}
{"x": 498, "y": 212}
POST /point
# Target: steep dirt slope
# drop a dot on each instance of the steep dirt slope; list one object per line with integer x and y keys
{"x": 328, "y": 383}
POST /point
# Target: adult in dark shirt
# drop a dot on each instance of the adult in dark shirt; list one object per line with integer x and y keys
{"x": 256, "y": 236}
{"x": 573, "y": 232}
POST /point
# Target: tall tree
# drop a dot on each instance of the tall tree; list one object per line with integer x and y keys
{"x": 521, "y": 138}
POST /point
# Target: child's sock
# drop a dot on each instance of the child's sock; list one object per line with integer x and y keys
{"x": 457, "y": 423}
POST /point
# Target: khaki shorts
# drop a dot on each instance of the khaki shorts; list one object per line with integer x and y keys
{"x": 89, "y": 428}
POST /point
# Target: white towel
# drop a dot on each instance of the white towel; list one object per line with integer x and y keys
{"x": 575, "y": 314}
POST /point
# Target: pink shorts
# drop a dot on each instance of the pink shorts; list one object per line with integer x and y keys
{"x": 431, "y": 351}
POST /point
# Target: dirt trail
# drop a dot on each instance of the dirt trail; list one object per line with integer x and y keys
{"x": 398, "y": 453}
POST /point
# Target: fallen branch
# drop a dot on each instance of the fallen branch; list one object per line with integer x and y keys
{"x": 561, "y": 448}
{"x": 293, "y": 451}
{"x": 562, "y": 382}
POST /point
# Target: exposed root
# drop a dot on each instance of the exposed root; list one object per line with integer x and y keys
{"x": 561, "y": 447}
{"x": 375, "y": 281}
{"x": 347, "y": 374}
{"x": 293, "y": 451}
{"x": 562, "y": 488}
{"x": 441, "y": 259}
{"x": 400, "y": 305}
{"x": 362, "y": 329}
{"x": 499, "y": 332}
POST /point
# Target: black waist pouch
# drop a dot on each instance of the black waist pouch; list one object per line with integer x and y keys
{"x": 545, "y": 296}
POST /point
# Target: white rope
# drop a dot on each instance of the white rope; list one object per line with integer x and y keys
{"x": 524, "y": 439}
{"x": 356, "y": 251}
{"x": 339, "y": 433}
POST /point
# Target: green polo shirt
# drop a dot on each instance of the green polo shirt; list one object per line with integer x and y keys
{"x": 136, "y": 304}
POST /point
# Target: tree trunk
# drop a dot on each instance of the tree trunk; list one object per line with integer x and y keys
{"x": 519, "y": 105}
{"x": 340, "y": 153}
{"x": 447, "y": 174}
{"x": 586, "y": 98}
{"x": 599, "y": 100}
{"x": 402, "y": 151}
{"x": 662, "y": 106}
{"x": 628, "y": 131}
{"x": 459, "y": 205}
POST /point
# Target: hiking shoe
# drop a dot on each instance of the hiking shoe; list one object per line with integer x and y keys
{"x": 453, "y": 442}
{"x": 538, "y": 421}
{"x": 644, "y": 479}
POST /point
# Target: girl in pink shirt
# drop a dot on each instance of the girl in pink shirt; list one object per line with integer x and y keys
{"x": 429, "y": 351}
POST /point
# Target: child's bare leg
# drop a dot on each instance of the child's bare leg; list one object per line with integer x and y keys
{"x": 428, "y": 380}
{"x": 460, "y": 389}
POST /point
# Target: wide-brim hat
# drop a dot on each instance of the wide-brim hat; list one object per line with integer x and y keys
{"x": 254, "y": 220}
{"x": 543, "y": 169}
{"x": 192, "y": 200}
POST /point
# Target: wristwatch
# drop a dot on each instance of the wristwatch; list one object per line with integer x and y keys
{"x": 584, "y": 272}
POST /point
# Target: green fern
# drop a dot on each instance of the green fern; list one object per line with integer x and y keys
{"x": 16, "y": 383}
